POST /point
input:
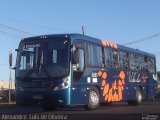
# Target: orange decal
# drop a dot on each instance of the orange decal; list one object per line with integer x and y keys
{"x": 119, "y": 82}
{"x": 122, "y": 75}
{"x": 105, "y": 42}
{"x": 115, "y": 46}
{"x": 110, "y": 95}
{"x": 103, "y": 83}
{"x": 115, "y": 96}
{"x": 112, "y": 92}
{"x": 114, "y": 85}
{"x": 106, "y": 97}
{"x": 99, "y": 73}
{"x": 123, "y": 81}
{"x": 122, "y": 88}
{"x": 106, "y": 89}
{"x": 111, "y": 44}
{"x": 120, "y": 93}
{"x": 104, "y": 75}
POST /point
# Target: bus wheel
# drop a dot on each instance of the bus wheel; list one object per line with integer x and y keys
{"x": 138, "y": 98}
{"x": 94, "y": 99}
{"x": 49, "y": 107}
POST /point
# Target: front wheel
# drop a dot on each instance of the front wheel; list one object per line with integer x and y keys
{"x": 94, "y": 99}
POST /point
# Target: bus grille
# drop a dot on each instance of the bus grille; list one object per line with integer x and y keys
{"x": 37, "y": 90}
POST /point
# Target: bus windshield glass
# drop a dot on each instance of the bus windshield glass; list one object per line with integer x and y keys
{"x": 43, "y": 59}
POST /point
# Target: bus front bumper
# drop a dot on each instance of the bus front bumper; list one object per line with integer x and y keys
{"x": 60, "y": 97}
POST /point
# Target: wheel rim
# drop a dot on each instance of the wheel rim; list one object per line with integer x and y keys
{"x": 94, "y": 99}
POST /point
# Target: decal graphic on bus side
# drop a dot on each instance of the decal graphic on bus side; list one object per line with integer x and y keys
{"x": 110, "y": 44}
{"x": 115, "y": 91}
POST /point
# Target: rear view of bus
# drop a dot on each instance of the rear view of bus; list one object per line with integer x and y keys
{"x": 42, "y": 71}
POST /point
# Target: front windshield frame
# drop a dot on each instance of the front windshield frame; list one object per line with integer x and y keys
{"x": 24, "y": 53}
{"x": 38, "y": 70}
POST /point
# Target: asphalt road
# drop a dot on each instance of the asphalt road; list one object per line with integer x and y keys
{"x": 118, "y": 111}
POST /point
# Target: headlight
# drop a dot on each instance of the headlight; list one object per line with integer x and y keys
{"x": 63, "y": 85}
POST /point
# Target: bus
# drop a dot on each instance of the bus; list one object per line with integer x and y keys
{"x": 158, "y": 83}
{"x": 74, "y": 69}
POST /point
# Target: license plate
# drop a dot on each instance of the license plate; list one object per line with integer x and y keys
{"x": 37, "y": 97}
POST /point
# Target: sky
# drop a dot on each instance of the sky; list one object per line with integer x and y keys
{"x": 119, "y": 21}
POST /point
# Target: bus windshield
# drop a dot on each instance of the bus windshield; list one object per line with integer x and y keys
{"x": 43, "y": 59}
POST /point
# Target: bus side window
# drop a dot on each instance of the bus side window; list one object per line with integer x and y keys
{"x": 78, "y": 60}
{"x": 95, "y": 56}
{"x": 108, "y": 57}
{"x": 111, "y": 57}
{"x": 143, "y": 63}
{"x": 151, "y": 65}
{"x": 81, "y": 59}
{"x": 134, "y": 61}
{"x": 115, "y": 61}
{"x": 124, "y": 60}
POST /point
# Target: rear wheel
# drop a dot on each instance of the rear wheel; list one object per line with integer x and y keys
{"x": 49, "y": 107}
{"x": 138, "y": 98}
{"x": 94, "y": 99}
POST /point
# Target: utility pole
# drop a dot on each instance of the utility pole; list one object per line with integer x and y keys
{"x": 10, "y": 81}
{"x": 10, "y": 76}
{"x": 82, "y": 30}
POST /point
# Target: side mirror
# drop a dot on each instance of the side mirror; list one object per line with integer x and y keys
{"x": 17, "y": 50}
{"x": 10, "y": 60}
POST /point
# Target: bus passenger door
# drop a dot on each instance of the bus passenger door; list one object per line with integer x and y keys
{"x": 78, "y": 65}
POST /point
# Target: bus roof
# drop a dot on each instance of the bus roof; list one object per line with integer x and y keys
{"x": 75, "y": 36}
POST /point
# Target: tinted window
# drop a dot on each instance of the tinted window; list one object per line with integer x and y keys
{"x": 111, "y": 57}
{"x": 27, "y": 57}
{"x": 134, "y": 61}
{"x": 95, "y": 55}
{"x": 143, "y": 63}
{"x": 124, "y": 60}
{"x": 81, "y": 59}
{"x": 108, "y": 57}
{"x": 151, "y": 65}
{"x": 54, "y": 57}
{"x": 49, "y": 58}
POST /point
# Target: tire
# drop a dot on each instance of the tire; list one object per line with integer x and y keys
{"x": 138, "y": 98}
{"x": 49, "y": 107}
{"x": 94, "y": 99}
